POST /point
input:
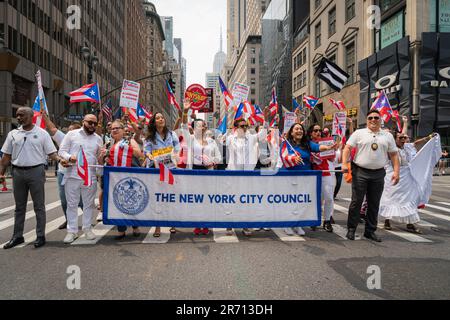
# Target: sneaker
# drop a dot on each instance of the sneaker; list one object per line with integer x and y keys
{"x": 413, "y": 229}
{"x": 90, "y": 235}
{"x": 70, "y": 237}
{"x": 100, "y": 217}
{"x": 267, "y": 229}
{"x": 328, "y": 227}
{"x": 300, "y": 231}
{"x": 230, "y": 232}
{"x": 332, "y": 220}
{"x": 289, "y": 231}
{"x": 257, "y": 229}
{"x": 246, "y": 232}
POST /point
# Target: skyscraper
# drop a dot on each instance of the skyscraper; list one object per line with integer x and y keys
{"x": 167, "y": 23}
{"x": 220, "y": 57}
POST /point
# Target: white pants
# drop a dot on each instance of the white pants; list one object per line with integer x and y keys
{"x": 328, "y": 184}
{"x": 74, "y": 188}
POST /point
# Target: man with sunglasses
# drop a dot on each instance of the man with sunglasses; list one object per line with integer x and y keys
{"x": 375, "y": 148}
{"x": 91, "y": 143}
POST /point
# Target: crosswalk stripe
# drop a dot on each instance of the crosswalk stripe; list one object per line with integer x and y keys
{"x": 409, "y": 236}
{"x": 220, "y": 236}
{"x": 285, "y": 238}
{"x": 164, "y": 238}
{"x": 11, "y": 208}
{"x": 100, "y": 230}
{"x": 436, "y": 215}
{"x": 30, "y": 214}
{"x": 445, "y": 203}
{"x": 424, "y": 223}
{"x": 49, "y": 227}
{"x": 341, "y": 209}
{"x": 438, "y": 208}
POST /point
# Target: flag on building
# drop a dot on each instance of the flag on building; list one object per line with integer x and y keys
{"x": 165, "y": 175}
{"x": 121, "y": 154}
{"x": 338, "y": 104}
{"x": 311, "y": 102}
{"x": 87, "y": 93}
{"x": 228, "y": 97}
{"x": 273, "y": 106}
{"x": 171, "y": 96}
{"x": 383, "y": 106}
{"x": 38, "y": 119}
{"x": 107, "y": 111}
{"x": 334, "y": 76}
{"x": 83, "y": 168}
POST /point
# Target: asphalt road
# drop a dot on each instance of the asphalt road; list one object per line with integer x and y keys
{"x": 264, "y": 266}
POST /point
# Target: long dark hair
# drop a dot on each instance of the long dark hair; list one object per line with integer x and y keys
{"x": 311, "y": 129}
{"x": 304, "y": 143}
{"x": 151, "y": 136}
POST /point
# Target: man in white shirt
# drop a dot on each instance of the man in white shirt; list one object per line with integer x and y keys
{"x": 374, "y": 148}
{"x": 27, "y": 148}
{"x": 91, "y": 143}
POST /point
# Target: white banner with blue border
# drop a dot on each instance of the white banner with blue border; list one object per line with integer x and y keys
{"x": 212, "y": 199}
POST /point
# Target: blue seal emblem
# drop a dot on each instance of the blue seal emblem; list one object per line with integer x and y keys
{"x": 131, "y": 196}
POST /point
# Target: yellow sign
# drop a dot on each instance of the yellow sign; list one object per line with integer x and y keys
{"x": 161, "y": 152}
{"x": 350, "y": 113}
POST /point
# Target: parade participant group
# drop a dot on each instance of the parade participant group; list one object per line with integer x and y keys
{"x": 376, "y": 161}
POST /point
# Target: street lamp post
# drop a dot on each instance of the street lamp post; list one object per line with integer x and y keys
{"x": 92, "y": 61}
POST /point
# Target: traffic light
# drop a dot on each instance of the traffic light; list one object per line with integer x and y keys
{"x": 172, "y": 84}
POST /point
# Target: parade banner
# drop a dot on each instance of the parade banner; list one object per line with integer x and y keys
{"x": 290, "y": 118}
{"x": 129, "y": 96}
{"x": 216, "y": 199}
{"x": 240, "y": 93}
{"x": 327, "y": 155}
{"x": 342, "y": 117}
{"x": 198, "y": 96}
{"x": 42, "y": 101}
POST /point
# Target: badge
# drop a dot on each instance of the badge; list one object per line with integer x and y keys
{"x": 374, "y": 146}
{"x": 35, "y": 136}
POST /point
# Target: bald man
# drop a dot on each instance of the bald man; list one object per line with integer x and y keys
{"x": 91, "y": 143}
{"x": 27, "y": 149}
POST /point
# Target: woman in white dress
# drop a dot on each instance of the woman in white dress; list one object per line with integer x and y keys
{"x": 400, "y": 203}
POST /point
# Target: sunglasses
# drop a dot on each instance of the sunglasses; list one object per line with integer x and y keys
{"x": 373, "y": 118}
{"x": 317, "y": 130}
{"x": 91, "y": 123}
{"x": 403, "y": 138}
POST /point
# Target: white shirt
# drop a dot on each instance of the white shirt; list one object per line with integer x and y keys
{"x": 244, "y": 151}
{"x": 368, "y": 158}
{"x": 28, "y": 148}
{"x": 58, "y": 138}
{"x": 71, "y": 144}
{"x": 210, "y": 150}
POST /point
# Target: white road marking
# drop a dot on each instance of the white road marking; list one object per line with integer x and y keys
{"x": 445, "y": 203}
{"x": 100, "y": 230}
{"x": 220, "y": 236}
{"x": 409, "y": 236}
{"x": 30, "y": 214}
{"x": 164, "y": 238}
{"x": 436, "y": 215}
{"x": 12, "y": 208}
{"x": 438, "y": 208}
{"x": 285, "y": 238}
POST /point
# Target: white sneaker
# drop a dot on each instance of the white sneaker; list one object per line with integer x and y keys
{"x": 70, "y": 237}
{"x": 257, "y": 229}
{"x": 90, "y": 235}
{"x": 300, "y": 231}
{"x": 100, "y": 217}
{"x": 267, "y": 229}
{"x": 289, "y": 231}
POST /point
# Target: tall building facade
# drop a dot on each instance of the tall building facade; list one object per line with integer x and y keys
{"x": 37, "y": 38}
{"x": 167, "y": 23}
{"x": 155, "y": 89}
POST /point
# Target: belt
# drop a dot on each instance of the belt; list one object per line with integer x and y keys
{"x": 27, "y": 168}
{"x": 372, "y": 170}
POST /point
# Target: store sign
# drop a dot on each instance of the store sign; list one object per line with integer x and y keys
{"x": 444, "y": 73}
{"x": 392, "y": 30}
{"x": 387, "y": 83}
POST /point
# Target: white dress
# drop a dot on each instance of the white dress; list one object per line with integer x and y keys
{"x": 399, "y": 203}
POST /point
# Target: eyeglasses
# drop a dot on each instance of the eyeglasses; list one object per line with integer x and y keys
{"x": 91, "y": 123}
{"x": 403, "y": 138}
{"x": 373, "y": 118}
{"x": 243, "y": 127}
{"x": 118, "y": 128}
{"x": 317, "y": 130}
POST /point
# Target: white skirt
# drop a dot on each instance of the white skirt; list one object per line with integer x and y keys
{"x": 399, "y": 203}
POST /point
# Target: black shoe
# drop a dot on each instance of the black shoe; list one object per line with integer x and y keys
{"x": 313, "y": 228}
{"x": 328, "y": 227}
{"x": 120, "y": 237}
{"x": 63, "y": 226}
{"x": 351, "y": 234}
{"x": 332, "y": 220}
{"x": 372, "y": 236}
{"x": 40, "y": 242}
{"x": 387, "y": 225}
{"x": 13, "y": 243}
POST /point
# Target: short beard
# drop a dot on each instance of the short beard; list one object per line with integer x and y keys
{"x": 87, "y": 130}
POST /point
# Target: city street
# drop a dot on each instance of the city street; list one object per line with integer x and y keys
{"x": 268, "y": 265}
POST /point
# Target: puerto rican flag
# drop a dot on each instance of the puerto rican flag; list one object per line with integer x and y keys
{"x": 288, "y": 156}
{"x": 382, "y": 104}
{"x": 171, "y": 97}
{"x": 38, "y": 120}
{"x": 339, "y": 129}
{"x": 83, "y": 168}
{"x": 338, "y": 104}
{"x": 139, "y": 113}
{"x": 165, "y": 175}
{"x": 397, "y": 121}
{"x": 121, "y": 154}
{"x": 273, "y": 106}
{"x": 258, "y": 116}
{"x": 87, "y": 93}
{"x": 226, "y": 94}
{"x": 311, "y": 102}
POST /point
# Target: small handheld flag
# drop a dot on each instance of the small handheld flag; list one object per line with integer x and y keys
{"x": 382, "y": 104}
{"x": 338, "y": 104}
{"x": 311, "y": 102}
{"x": 226, "y": 94}
{"x": 223, "y": 125}
{"x": 83, "y": 168}
{"x": 87, "y": 93}
{"x": 296, "y": 105}
{"x": 171, "y": 96}
{"x": 165, "y": 175}
{"x": 38, "y": 120}
{"x": 273, "y": 106}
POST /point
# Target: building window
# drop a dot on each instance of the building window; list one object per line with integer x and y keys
{"x": 317, "y": 89}
{"x": 253, "y": 71}
{"x": 349, "y": 10}
{"x": 317, "y": 3}
{"x": 350, "y": 62}
{"x": 332, "y": 22}
{"x": 253, "y": 60}
{"x": 318, "y": 35}
{"x": 253, "y": 50}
